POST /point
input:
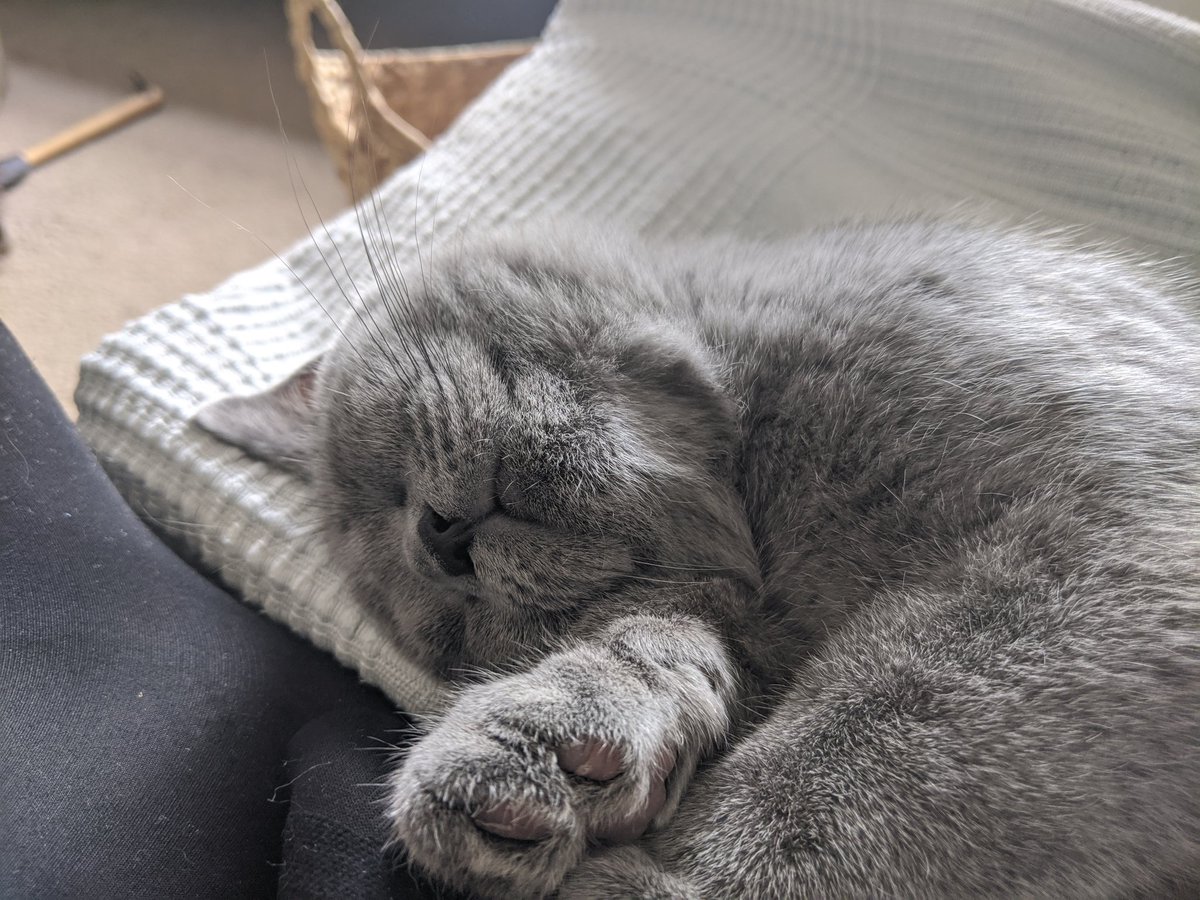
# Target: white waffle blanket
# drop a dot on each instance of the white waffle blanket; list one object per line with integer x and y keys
{"x": 670, "y": 117}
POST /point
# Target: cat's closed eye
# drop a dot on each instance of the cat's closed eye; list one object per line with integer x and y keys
{"x": 506, "y": 508}
{"x": 507, "y": 495}
{"x": 399, "y": 494}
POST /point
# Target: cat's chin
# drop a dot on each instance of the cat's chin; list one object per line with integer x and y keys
{"x": 429, "y": 571}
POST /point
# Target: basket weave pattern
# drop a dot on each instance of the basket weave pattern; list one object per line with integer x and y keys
{"x": 376, "y": 110}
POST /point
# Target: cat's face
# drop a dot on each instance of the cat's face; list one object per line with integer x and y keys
{"x": 501, "y": 456}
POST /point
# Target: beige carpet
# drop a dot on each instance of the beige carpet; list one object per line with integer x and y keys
{"x": 141, "y": 217}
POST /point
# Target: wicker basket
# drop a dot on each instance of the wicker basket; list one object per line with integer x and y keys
{"x": 376, "y": 110}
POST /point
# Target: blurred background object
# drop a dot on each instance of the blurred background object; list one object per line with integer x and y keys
{"x": 145, "y": 100}
{"x": 144, "y": 217}
{"x": 137, "y": 220}
{"x": 3, "y": 83}
{"x": 376, "y": 110}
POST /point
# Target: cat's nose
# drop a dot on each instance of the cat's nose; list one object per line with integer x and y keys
{"x": 448, "y": 540}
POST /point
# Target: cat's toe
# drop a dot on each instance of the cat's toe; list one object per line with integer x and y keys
{"x": 623, "y": 811}
{"x": 592, "y": 759}
{"x": 621, "y": 820}
{"x": 630, "y": 827}
{"x": 484, "y": 823}
{"x": 515, "y": 821}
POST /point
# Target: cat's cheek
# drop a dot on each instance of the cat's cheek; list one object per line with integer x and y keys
{"x": 535, "y": 566}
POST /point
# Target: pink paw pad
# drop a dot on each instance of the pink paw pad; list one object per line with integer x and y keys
{"x": 591, "y": 759}
{"x": 509, "y": 820}
{"x": 602, "y": 762}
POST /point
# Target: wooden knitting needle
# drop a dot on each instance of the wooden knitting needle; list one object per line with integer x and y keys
{"x": 147, "y": 99}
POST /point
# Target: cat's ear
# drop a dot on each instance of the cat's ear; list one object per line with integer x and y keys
{"x": 673, "y": 362}
{"x": 681, "y": 387}
{"x": 275, "y": 425}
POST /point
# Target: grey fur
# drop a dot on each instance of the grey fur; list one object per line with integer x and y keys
{"x": 886, "y": 536}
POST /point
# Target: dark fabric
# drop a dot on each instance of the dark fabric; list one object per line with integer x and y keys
{"x": 157, "y": 737}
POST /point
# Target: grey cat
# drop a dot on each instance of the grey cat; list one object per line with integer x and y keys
{"x": 863, "y": 564}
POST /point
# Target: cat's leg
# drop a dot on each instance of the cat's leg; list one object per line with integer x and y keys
{"x": 593, "y": 743}
{"x": 1027, "y": 741}
{"x": 629, "y": 872}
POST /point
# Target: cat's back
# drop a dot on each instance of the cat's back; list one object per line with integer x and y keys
{"x": 1018, "y": 290}
{"x": 971, "y": 461}
{"x": 991, "y": 314}
{"x": 914, "y": 387}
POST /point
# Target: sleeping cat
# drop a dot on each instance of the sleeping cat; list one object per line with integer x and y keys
{"x": 862, "y": 564}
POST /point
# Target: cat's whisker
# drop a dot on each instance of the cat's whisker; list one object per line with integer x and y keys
{"x": 395, "y": 292}
{"x": 381, "y": 286}
{"x": 373, "y": 255}
{"x": 421, "y": 343}
{"x": 291, "y": 270}
{"x": 292, "y": 166}
{"x": 290, "y": 161}
{"x": 316, "y": 210}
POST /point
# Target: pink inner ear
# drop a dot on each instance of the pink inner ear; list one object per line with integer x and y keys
{"x": 300, "y": 386}
{"x": 303, "y": 383}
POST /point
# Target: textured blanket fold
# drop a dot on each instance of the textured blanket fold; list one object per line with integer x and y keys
{"x": 671, "y": 118}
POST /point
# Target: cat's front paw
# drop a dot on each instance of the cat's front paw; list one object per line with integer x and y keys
{"x": 592, "y": 746}
{"x": 505, "y": 794}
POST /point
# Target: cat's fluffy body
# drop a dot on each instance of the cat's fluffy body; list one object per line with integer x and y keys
{"x": 872, "y": 558}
